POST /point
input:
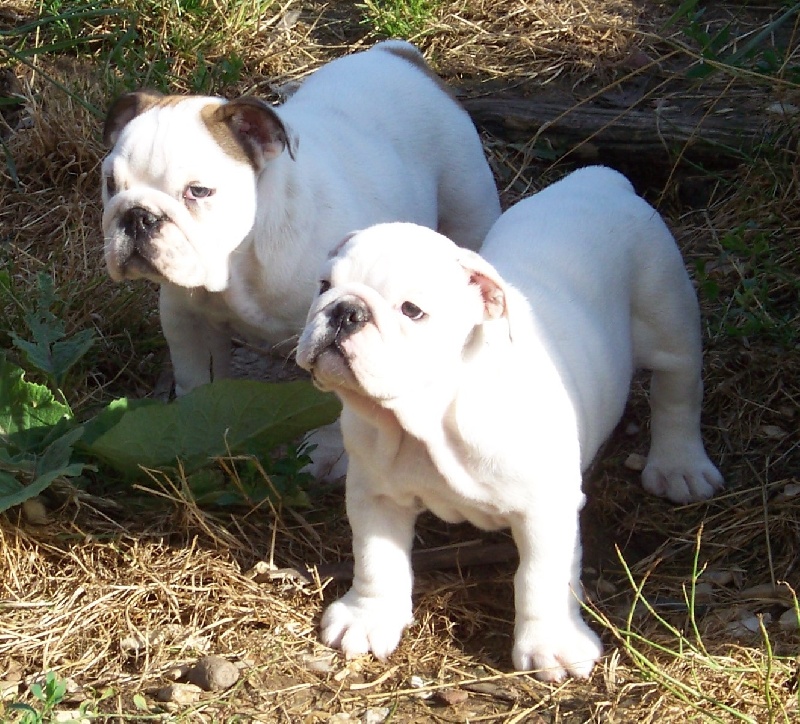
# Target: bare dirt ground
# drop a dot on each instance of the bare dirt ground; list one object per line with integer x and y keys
{"x": 114, "y": 589}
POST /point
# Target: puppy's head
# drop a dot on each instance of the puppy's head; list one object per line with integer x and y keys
{"x": 399, "y": 311}
{"x": 179, "y": 184}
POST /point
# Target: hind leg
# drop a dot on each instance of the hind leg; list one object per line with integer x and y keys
{"x": 677, "y": 465}
{"x": 668, "y": 341}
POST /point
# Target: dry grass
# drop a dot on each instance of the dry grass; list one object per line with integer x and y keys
{"x": 113, "y": 597}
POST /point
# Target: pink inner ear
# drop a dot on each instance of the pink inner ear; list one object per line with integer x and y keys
{"x": 257, "y": 126}
{"x": 265, "y": 136}
{"x": 494, "y": 300}
{"x": 245, "y": 126}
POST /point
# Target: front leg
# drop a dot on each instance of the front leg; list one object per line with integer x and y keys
{"x": 550, "y": 637}
{"x": 372, "y": 615}
{"x": 200, "y": 352}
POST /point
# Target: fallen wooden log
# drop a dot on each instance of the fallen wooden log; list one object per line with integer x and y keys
{"x": 591, "y": 131}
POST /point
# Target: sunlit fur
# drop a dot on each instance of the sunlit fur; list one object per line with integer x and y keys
{"x": 373, "y": 138}
{"x": 491, "y": 406}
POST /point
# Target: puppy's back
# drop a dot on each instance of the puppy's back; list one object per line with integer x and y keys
{"x": 388, "y": 104}
{"x": 588, "y": 230}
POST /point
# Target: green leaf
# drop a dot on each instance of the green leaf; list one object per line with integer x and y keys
{"x": 111, "y": 416}
{"x": 55, "y": 462}
{"x": 56, "y": 459}
{"x": 67, "y": 352}
{"x": 28, "y": 411}
{"x": 37, "y": 691}
{"x": 228, "y": 416}
{"x": 51, "y": 350}
{"x": 27, "y": 708}
{"x": 21, "y": 463}
{"x": 9, "y": 486}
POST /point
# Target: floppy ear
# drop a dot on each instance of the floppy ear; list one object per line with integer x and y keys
{"x": 124, "y": 110}
{"x": 485, "y": 277}
{"x": 257, "y": 129}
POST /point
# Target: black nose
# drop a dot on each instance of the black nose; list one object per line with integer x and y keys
{"x": 348, "y": 316}
{"x": 140, "y": 224}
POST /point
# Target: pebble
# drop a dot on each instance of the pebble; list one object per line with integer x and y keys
{"x": 748, "y": 624}
{"x": 789, "y": 620}
{"x": 71, "y": 717}
{"x": 781, "y": 108}
{"x": 35, "y": 512}
{"x": 376, "y": 715}
{"x": 213, "y": 673}
{"x": 417, "y": 682}
{"x": 792, "y": 490}
{"x": 703, "y": 592}
{"x": 452, "y": 697}
{"x": 632, "y": 429}
{"x": 322, "y": 664}
{"x": 179, "y": 693}
{"x": 634, "y": 461}
{"x": 773, "y": 432}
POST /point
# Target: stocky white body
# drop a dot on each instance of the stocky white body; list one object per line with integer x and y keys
{"x": 373, "y": 137}
{"x": 490, "y": 406}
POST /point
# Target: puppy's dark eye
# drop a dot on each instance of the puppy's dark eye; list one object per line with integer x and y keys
{"x": 324, "y": 285}
{"x": 111, "y": 187}
{"x": 412, "y": 311}
{"x": 195, "y": 193}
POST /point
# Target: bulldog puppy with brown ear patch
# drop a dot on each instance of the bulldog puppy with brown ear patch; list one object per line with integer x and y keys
{"x": 481, "y": 387}
{"x": 232, "y": 206}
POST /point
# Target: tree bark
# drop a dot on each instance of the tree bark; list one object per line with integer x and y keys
{"x": 593, "y": 132}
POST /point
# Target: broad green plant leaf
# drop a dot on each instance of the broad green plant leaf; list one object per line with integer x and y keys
{"x": 111, "y": 415}
{"x": 28, "y": 411}
{"x": 36, "y": 438}
{"x": 215, "y": 420}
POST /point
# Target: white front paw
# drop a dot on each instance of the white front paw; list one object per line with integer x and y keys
{"x": 682, "y": 478}
{"x": 358, "y": 625}
{"x": 554, "y": 651}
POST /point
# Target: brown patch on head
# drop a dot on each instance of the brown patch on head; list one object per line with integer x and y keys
{"x": 224, "y": 135}
{"x": 248, "y": 130}
{"x": 127, "y": 107}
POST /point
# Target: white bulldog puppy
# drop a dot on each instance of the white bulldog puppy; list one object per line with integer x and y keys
{"x": 232, "y": 206}
{"x": 480, "y": 388}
